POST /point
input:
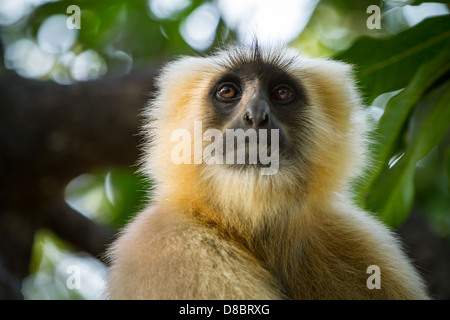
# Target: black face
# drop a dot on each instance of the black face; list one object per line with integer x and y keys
{"x": 257, "y": 95}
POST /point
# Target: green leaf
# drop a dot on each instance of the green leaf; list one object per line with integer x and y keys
{"x": 388, "y": 64}
{"x": 429, "y": 124}
{"x": 394, "y": 120}
{"x": 393, "y": 196}
{"x": 130, "y": 193}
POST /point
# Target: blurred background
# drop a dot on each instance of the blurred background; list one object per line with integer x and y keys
{"x": 75, "y": 76}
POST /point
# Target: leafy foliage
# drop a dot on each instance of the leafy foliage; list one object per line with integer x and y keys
{"x": 415, "y": 119}
{"x": 388, "y": 64}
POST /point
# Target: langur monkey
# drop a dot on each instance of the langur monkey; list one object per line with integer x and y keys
{"x": 221, "y": 230}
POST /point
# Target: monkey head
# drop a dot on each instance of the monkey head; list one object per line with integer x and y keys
{"x": 311, "y": 104}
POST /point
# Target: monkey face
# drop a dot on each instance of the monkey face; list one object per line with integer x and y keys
{"x": 258, "y": 96}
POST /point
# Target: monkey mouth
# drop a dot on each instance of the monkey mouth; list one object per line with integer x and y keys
{"x": 252, "y": 155}
{"x": 234, "y": 148}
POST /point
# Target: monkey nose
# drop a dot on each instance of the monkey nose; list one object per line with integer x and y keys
{"x": 257, "y": 114}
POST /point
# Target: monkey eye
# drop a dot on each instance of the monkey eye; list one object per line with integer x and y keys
{"x": 228, "y": 91}
{"x": 283, "y": 93}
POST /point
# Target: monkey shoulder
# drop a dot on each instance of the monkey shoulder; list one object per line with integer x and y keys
{"x": 347, "y": 245}
{"x": 177, "y": 257}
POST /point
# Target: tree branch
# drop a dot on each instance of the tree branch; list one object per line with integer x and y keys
{"x": 50, "y": 134}
{"x": 79, "y": 231}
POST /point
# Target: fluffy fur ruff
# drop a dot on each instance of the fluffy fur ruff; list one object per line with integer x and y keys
{"x": 217, "y": 233}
